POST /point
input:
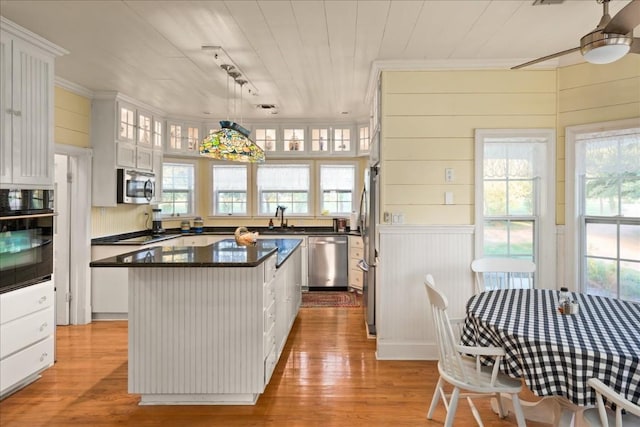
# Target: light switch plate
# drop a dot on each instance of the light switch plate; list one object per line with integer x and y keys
{"x": 448, "y": 175}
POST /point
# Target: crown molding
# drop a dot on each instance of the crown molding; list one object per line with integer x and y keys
{"x": 31, "y": 37}
{"x": 114, "y": 95}
{"x": 377, "y": 67}
{"x": 73, "y": 87}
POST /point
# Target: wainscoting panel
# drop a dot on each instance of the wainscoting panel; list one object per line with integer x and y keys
{"x": 203, "y": 330}
{"x": 408, "y": 253}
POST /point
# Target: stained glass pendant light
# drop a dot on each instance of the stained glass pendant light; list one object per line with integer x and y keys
{"x": 231, "y": 142}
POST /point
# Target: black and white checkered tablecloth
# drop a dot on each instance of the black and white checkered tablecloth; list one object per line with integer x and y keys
{"x": 556, "y": 354}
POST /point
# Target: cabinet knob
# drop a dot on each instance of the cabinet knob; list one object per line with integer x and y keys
{"x": 43, "y": 326}
{"x": 42, "y": 299}
{"x": 44, "y": 356}
{"x": 17, "y": 113}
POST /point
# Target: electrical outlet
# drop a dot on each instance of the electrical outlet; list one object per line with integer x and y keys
{"x": 386, "y": 217}
{"x": 397, "y": 218}
{"x": 448, "y": 197}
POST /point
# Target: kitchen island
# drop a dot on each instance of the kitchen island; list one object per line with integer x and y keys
{"x": 207, "y": 324}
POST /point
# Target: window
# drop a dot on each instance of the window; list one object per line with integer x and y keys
{"x": 229, "y": 189}
{"x": 178, "y": 189}
{"x": 342, "y": 139}
{"x": 337, "y": 188}
{"x": 266, "y": 139}
{"x": 285, "y": 185}
{"x": 608, "y": 188}
{"x": 515, "y": 197}
{"x": 293, "y": 139}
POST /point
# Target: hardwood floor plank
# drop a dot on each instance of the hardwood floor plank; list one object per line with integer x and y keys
{"x": 327, "y": 376}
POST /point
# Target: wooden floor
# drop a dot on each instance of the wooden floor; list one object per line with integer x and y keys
{"x": 327, "y": 376}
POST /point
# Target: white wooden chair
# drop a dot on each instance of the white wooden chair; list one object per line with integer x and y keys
{"x": 602, "y": 417}
{"x": 464, "y": 372}
{"x": 503, "y": 273}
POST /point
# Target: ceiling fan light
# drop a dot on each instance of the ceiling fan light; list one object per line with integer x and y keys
{"x": 603, "y": 48}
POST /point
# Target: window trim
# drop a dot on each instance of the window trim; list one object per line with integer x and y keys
{"x": 572, "y": 245}
{"x": 194, "y": 163}
{"x": 545, "y": 238}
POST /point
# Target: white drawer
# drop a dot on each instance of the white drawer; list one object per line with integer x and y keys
{"x": 270, "y": 268}
{"x": 356, "y": 253}
{"x": 268, "y": 293}
{"x": 356, "y": 278}
{"x": 356, "y": 242}
{"x": 269, "y": 341}
{"x": 269, "y": 365}
{"x": 25, "y": 301}
{"x": 25, "y": 331}
{"x": 21, "y": 365}
{"x": 269, "y": 317}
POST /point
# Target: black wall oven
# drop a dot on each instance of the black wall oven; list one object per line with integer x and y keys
{"x": 26, "y": 238}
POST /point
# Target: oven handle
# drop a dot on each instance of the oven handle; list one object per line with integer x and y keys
{"x": 2, "y": 218}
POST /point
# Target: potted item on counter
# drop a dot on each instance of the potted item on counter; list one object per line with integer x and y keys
{"x": 198, "y": 224}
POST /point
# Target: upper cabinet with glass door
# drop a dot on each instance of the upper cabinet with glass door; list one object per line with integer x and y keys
{"x": 364, "y": 140}
{"x": 134, "y": 147}
{"x": 183, "y": 138}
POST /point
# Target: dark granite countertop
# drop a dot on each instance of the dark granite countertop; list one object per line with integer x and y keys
{"x": 225, "y": 253}
{"x": 141, "y": 238}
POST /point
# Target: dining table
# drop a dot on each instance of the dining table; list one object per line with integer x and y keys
{"x": 555, "y": 353}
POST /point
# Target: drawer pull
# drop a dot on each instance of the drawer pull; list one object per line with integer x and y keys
{"x": 42, "y": 299}
{"x": 43, "y": 357}
{"x": 43, "y": 326}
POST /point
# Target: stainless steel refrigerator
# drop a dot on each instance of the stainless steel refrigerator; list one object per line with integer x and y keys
{"x": 368, "y": 218}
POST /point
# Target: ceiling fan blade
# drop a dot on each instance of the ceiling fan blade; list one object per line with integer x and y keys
{"x": 626, "y": 20}
{"x": 635, "y": 45}
{"x": 544, "y": 58}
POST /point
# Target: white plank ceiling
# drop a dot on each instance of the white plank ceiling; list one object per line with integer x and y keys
{"x": 312, "y": 59}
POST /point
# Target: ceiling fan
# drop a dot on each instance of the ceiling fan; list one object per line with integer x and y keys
{"x": 609, "y": 41}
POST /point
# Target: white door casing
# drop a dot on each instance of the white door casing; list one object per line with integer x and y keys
{"x": 61, "y": 248}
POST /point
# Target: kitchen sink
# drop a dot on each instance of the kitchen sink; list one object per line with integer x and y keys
{"x": 284, "y": 231}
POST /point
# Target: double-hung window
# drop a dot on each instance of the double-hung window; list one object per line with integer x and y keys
{"x": 337, "y": 189}
{"x": 178, "y": 189}
{"x": 229, "y": 189}
{"x": 608, "y": 206}
{"x": 286, "y": 185}
{"x": 514, "y": 197}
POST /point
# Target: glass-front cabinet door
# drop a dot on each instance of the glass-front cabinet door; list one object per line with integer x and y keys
{"x": 293, "y": 139}
{"x": 342, "y": 140}
{"x": 126, "y": 123}
{"x": 363, "y": 139}
{"x": 265, "y": 138}
{"x": 144, "y": 128}
{"x": 158, "y": 133}
{"x": 320, "y": 140}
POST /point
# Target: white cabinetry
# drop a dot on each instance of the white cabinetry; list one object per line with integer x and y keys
{"x": 183, "y": 138}
{"x": 26, "y": 107}
{"x": 123, "y": 136}
{"x": 356, "y": 253}
{"x": 109, "y": 292}
{"x": 27, "y": 326}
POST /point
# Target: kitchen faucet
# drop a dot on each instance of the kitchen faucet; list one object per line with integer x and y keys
{"x": 281, "y": 209}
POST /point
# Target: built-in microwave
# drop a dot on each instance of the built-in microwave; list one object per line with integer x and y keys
{"x": 26, "y": 238}
{"x": 135, "y": 186}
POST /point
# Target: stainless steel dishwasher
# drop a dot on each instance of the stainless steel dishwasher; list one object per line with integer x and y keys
{"x": 328, "y": 262}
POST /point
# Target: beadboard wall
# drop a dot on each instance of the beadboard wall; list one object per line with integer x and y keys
{"x": 428, "y": 124}
{"x": 593, "y": 94}
{"x": 407, "y": 253}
